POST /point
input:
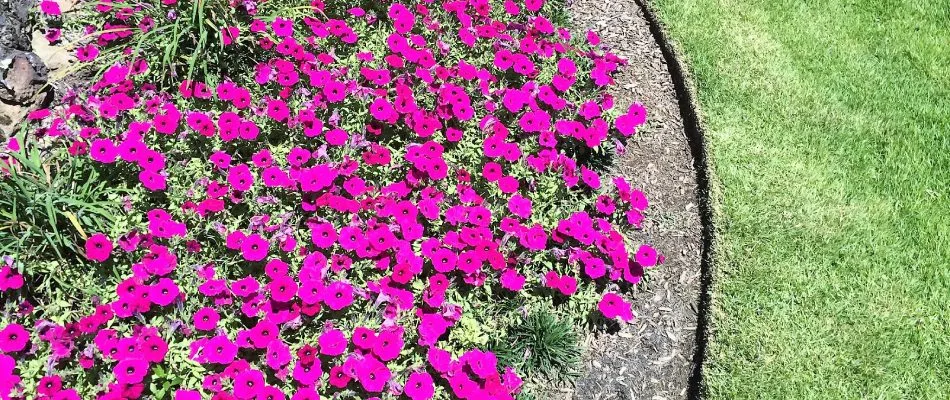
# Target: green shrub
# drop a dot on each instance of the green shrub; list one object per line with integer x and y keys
{"x": 48, "y": 204}
{"x": 541, "y": 346}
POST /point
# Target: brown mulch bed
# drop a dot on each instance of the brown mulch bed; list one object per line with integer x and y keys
{"x": 652, "y": 357}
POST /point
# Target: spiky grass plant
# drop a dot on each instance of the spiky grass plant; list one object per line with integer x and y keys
{"x": 48, "y": 203}
{"x": 540, "y": 346}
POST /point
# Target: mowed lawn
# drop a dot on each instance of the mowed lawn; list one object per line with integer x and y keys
{"x": 829, "y": 131}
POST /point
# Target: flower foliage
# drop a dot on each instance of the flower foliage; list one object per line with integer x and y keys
{"x": 335, "y": 218}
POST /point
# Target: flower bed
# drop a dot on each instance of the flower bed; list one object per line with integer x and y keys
{"x": 318, "y": 199}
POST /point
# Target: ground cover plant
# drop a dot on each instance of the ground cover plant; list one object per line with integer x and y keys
{"x": 827, "y": 124}
{"x": 371, "y": 200}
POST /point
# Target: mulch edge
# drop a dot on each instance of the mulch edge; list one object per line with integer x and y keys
{"x": 695, "y": 134}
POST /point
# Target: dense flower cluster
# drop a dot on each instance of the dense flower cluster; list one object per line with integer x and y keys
{"x": 321, "y": 224}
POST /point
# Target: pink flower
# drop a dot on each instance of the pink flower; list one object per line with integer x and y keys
{"x": 187, "y": 395}
{"x": 50, "y": 7}
{"x": 254, "y": 248}
{"x": 594, "y": 268}
{"x": 483, "y": 364}
{"x": 164, "y": 292}
{"x": 338, "y": 295}
{"x": 248, "y": 384}
{"x": 388, "y": 344}
{"x": 240, "y": 177}
{"x": 372, "y": 374}
{"x": 567, "y": 285}
{"x": 98, "y": 247}
{"x": 613, "y": 306}
{"x": 49, "y": 385}
{"x": 332, "y": 342}
{"x": 206, "y": 319}
{"x": 627, "y": 124}
{"x": 335, "y": 91}
{"x": 283, "y": 27}
{"x": 229, "y": 34}
{"x": 283, "y": 288}
{"x": 381, "y": 109}
{"x": 86, "y": 53}
{"x": 336, "y": 137}
{"x": 512, "y": 280}
{"x": 419, "y": 386}
{"x": 307, "y": 373}
{"x": 278, "y": 355}
{"x": 520, "y": 206}
{"x": 338, "y": 377}
{"x": 306, "y": 393}
{"x": 130, "y": 371}
{"x": 220, "y": 350}
{"x": 646, "y": 256}
{"x": 13, "y": 338}
{"x": 103, "y": 150}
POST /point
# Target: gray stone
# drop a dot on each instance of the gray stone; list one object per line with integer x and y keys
{"x": 22, "y": 76}
{"x": 15, "y": 24}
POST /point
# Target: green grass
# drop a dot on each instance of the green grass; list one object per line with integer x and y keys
{"x": 828, "y": 124}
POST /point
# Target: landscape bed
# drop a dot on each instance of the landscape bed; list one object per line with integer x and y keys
{"x": 304, "y": 199}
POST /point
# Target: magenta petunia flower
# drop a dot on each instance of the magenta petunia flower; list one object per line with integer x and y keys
{"x": 254, "y": 248}
{"x": 323, "y": 235}
{"x": 206, "y": 319}
{"x": 388, "y": 344}
{"x": 130, "y": 371}
{"x": 220, "y": 350}
{"x": 164, "y": 292}
{"x": 49, "y": 385}
{"x": 512, "y": 280}
{"x": 278, "y": 355}
{"x": 338, "y": 377}
{"x": 520, "y": 206}
{"x": 646, "y": 256}
{"x": 372, "y": 374}
{"x": 248, "y": 384}
{"x": 308, "y": 373}
{"x": 332, "y": 342}
{"x": 613, "y": 306}
{"x": 305, "y": 393}
{"x": 103, "y": 150}
{"x": 627, "y": 123}
{"x": 229, "y": 34}
{"x": 439, "y": 359}
{"x": 265, "y": 332}
{"x": 50, "y": 7}
{"x": 13, "y": 338}
{"x": 364, "y": 338}
{"x": 240, "y": 177}
{"x": 419, "y": 386}
{"x": 283, "y": 27}
{"x": 181, "y": 394}
{"x": 98, "y": 247}
{"x": 282, "y": 288}
{"x": 338, "y": 295}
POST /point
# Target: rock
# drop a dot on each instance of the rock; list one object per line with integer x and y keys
{"x": 66, "y": 5}
{"x": 23, "y": 88}
{"x": 22, "y": 76}
{"x": 11, "y": 115}
{"x": 15, "y": 24}
{"x": 55, "y": 57}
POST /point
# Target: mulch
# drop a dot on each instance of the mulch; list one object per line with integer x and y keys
{"x": 652, "y": 357}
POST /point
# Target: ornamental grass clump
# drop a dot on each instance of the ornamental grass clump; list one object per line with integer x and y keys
{"x": 341, "y": 215}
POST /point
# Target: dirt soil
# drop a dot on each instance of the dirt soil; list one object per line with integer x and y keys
{"x": 652, "y": 357}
